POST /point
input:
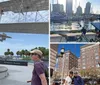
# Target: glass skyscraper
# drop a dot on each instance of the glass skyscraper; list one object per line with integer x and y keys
{"x": 69, "y": 6}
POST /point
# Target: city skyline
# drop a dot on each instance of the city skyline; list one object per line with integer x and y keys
{"x": 69, "y": 7}
{"x": 94, "y": 5}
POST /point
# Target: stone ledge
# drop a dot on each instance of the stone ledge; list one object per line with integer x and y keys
{"x": 3, "y": 72}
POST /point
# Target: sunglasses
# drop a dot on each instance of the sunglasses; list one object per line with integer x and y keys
{"x": 34, "y": 54}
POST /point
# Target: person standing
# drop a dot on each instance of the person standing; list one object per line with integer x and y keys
{"x": 83, "y": 30}
{"x": 77, "y": 79}
{"x": 68, "y": 79}
{"x": 38, "y": 74}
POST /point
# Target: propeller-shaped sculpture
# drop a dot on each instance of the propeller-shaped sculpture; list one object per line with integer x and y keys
{"x": 3, "y": 37}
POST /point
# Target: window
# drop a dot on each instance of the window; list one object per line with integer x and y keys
{"x": 83, "y": 63}
{"x": 97, "y": 57}
{"x": 67, "y": 54}
{"x": 97, "y": 65}
{"x": 96, "y": 54}
{"x": 84, "y": 67}
{"x": 83, "y": 60}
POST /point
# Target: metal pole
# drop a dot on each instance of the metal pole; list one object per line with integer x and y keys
{"x": 36, "y": 16}
{"x": 62, "y": 69}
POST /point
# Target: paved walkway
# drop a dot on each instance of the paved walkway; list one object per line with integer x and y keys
{"x": 18, "y": 75}
{"x": 12, "y": 82}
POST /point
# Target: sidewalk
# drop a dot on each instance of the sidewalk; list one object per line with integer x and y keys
{"x": 18, "y": 75}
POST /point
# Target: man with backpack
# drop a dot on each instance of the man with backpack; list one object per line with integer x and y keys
{"x": 38, "y": 74}
{"x": 83, "y": 30}
{"x": 77, "y": 79}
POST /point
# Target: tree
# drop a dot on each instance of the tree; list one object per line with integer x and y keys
{"x": 8, "y": 50}
{"x": 11, "y": 53}
{"x": 18, "y": 53}
{"x": 5, "y": 53}
{"x": 91, "y": 72}
{"x": 22, "y": 53}
{"x": 27, "y": 53}
{"x": 34, "y": 48}
{"x": 44, "y": 51}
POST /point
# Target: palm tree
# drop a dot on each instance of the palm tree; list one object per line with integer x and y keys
{"x": 18, "y": 53}
{"x": 26, "y": 53}
{"x": 22, "y": 53}
{"x": 5, "y": 53}
{"x": 11, "y": 53}
{"x": 8, "y": 50}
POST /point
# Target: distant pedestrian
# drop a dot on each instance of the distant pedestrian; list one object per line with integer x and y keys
{"x": 83, "y": 30}
{"x": 97, "y": 33}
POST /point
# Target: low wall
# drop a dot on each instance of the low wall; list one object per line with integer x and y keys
{"x": 12, "y": 62}
{"x": 3, "y": 72}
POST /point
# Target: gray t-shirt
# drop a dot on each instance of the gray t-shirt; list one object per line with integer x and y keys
{"x": 38, "y": 69}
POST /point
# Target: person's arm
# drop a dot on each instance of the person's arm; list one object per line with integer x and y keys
{"x": 43, "y": 79}
{"x": 65, "y": 82}
{"x": 40, "y": 72}
{"x": 29, "y": 81}
{"x": 81, "y": 80}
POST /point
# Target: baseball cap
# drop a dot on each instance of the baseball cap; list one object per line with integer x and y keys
{"x": 37, "y": 52}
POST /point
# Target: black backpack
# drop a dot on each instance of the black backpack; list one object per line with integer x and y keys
{"x": 46, "y": 71}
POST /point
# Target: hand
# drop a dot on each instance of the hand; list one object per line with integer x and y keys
{"x": 28, "y": 81}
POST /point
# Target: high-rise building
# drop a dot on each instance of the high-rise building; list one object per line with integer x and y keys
{"x": 88, "y": 8}
{"x": 79, "y": 10}
{"x": 53, "y": 53}
{"x": 70, "y": 62}
{"x": 58, "y": 8}
{"x": 90, "y": 57}
{"x": 69, "y": 7}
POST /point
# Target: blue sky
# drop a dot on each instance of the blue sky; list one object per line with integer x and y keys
{"x": 21, "y": 41}
{"x": 74, "y": 48}
{"x": 95, "y": 4}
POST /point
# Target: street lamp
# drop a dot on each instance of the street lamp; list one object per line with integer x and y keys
{"x": 62, "y": 51}
{"x": 99, "y": 64}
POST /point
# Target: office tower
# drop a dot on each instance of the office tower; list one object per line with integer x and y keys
{"x": 88, "y": 8}
{"x": 70, "y": 62}
{"x": 90, "y": 57}
{"x": 79, "y": 10}
{"x": 69, "y": 6}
